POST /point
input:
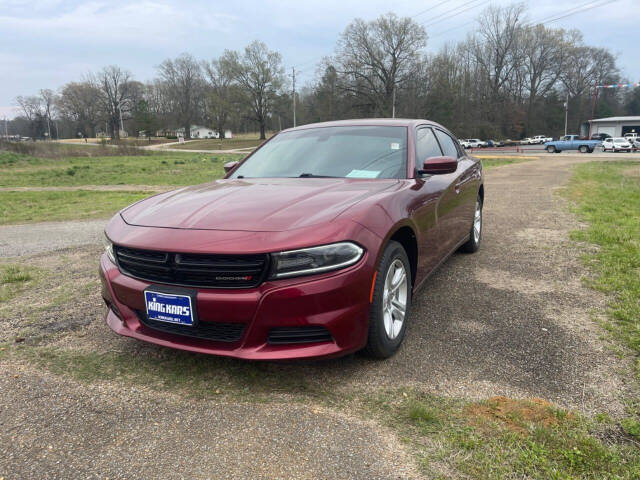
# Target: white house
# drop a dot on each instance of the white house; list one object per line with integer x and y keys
{"x": 198, "y": 131}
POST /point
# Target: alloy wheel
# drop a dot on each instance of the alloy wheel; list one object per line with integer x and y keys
{"x": 394, "y": 298}
{"x": 477, "y": 222}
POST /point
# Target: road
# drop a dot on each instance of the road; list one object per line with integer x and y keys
{"x": 513, "y": 319}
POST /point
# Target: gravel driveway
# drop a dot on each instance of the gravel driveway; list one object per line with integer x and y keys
{"x": 27, "y": 239}
{"x": 513, "y": 319}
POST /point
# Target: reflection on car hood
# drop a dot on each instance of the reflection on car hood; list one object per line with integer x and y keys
{"x": 275, "y": 204}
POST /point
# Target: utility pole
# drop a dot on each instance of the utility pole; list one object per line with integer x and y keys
{"x": 121, "y": 124}
{"x": 6, "y": 131}
{"x": 293, "y": 74}
{"x": 48, "y": 125}
{"x": 393, "y": 106}
{"x": 566, "y": 113}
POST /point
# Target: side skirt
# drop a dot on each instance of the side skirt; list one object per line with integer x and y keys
{"x": 417, "y": 288}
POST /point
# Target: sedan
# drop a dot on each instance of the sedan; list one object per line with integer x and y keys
{"x": 616, "y": 144}
{"x": 312, "y": 246}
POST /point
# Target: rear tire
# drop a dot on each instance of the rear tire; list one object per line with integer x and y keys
{"x": 583, "y": 149}
{"x": 475, "y": 234}
{"x": 387, "y": 326}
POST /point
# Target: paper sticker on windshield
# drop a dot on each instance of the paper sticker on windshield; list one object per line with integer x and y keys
{"x": 395, "y": 146}
{"x": 363, "y": 174}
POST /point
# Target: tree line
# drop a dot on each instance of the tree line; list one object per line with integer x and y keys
{"x": 509, "y": 78}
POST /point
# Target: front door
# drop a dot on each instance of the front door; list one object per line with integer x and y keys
{"x": 456, "y": 206}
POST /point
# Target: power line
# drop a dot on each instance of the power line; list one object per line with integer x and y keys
{"x": 442, "y": 32}
{"x": 446, "y": 16}
{"x": 433, "y": 21}
{"x": 428, "y": 9}
{"x": 579, "y": 9}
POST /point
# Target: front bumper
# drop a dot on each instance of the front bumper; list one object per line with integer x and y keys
{"x": 338, "y": 301}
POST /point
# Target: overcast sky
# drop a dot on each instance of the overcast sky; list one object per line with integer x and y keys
{"x": 44, "y": 44}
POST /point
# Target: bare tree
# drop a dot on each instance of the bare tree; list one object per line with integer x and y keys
{"x": 259, "y": 74}
{"x": 219, "y": 102}
{"x": 113, "y": 83}
{"x": 33, "y": 112}
{"x": 375, "y": 58}
{"x": 48, "y": 103}
{"x": 584, "y": 68}
{"x": 78, "y": 104}
{"x": 543, "y": 51}
{"x": 183, "y": 79}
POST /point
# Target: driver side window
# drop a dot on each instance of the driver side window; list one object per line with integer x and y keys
{"x": 426, "y": 145}
{"x": 448, "y": 145}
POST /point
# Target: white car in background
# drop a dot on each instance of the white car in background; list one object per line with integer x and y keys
{"x": 616, "y": 144}
{"x": 631, "y": 137}
{"x": 476, "y": 143}
{"x": 540, "y": 139}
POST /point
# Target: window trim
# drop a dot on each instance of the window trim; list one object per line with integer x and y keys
{"x": 456, "y": 144}
{"x": 424, "y": 127}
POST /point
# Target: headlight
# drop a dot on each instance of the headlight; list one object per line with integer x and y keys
{"x": 308, "y": 261}
{"x": 108, "y": 247}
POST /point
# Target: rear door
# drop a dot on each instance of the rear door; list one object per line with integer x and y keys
{"x": 457, "y": 204}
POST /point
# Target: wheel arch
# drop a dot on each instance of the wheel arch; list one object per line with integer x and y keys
{"x": 406, "y": 236}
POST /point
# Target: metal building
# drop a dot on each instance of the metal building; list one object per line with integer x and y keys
{"x": 614, "y": 126}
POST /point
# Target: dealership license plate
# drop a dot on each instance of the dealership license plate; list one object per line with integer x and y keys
{"x": 169, "y": 307}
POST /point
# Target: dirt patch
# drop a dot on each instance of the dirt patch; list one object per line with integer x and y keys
{"x": 633, "y": 171}
{"x": 515, "y": 415}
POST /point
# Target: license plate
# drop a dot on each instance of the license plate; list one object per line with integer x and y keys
{"x": 170, "y": 307}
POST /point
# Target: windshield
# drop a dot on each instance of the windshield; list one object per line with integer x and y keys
{"x": 350, "y": 152}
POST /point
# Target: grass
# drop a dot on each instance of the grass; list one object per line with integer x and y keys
{"x": 194, "y": 375}
{"x": 505, "y": 438}
{"x": 14, "y": 279}
{"x": 490, "y": 162}
{"x": 33, "y": 206}
{"x": 61, "y": 150}
{"x": 18, "y": 170}
{"x": 606, "y": 195}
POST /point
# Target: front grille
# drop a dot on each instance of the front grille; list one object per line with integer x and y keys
{"x": 287, "y": 335}
{"x": 193, "y": 270}
{"x": 216, "y": 331}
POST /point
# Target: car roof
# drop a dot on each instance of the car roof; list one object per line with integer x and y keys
{"x": 383, "y": 122}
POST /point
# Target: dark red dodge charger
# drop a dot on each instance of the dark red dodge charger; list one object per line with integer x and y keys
{"x": 312, "y": 246}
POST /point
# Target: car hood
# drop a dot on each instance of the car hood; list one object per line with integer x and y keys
{"x": 268, "y": 205}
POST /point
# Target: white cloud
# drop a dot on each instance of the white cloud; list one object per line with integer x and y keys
{"x": 8, "y": 112}
{"x": 146, "y": 22}
{"x": 49, "y": 42}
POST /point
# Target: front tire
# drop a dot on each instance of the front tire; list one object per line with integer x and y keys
{"x": 551, "y": 149}
{"x": 475, "y": 234}
{"x": 391, "y": 302}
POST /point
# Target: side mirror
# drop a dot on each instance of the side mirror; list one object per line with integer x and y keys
{"x": 438, "y": 166}
{"x": 230, "y": 166}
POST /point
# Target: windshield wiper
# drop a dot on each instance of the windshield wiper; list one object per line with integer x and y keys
{"x": 311, "y": 175}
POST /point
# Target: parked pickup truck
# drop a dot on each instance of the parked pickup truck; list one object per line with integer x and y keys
{"x": 572, "y": 142}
